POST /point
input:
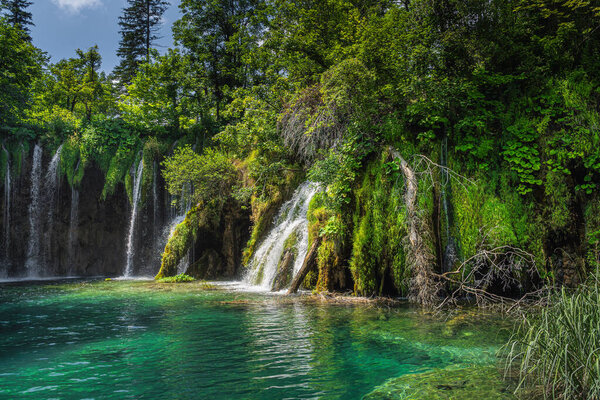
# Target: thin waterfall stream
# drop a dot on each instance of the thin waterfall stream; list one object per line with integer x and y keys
{"x": 51, "y": 185}
{"x": 137, "y": 185}
{"x": 291, "y": 219}
{"x": 32, "y": 264}
{"x": 6, "y": 216}
{"x": 73, "y": 223}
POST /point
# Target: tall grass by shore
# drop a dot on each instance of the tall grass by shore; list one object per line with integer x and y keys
{"x": 555, "y": 353}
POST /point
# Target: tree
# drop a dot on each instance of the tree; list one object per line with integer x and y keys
{"x": 74, "y": 84}
{"x": 20, "y": 65}
{"x": 218, "y": 36}
{"x": 139, "y": 24}
{"x": 18, "y": 16}
{"x": 155, "y": 98}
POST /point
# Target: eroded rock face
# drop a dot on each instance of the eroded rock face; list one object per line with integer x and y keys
{"x": 97, "y": 246}
{"x": 217, "y": 253}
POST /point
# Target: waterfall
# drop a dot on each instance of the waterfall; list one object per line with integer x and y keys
{"x": 177, "y": 215}
{"x": 6, "y": 216}
{"x": 35, "y": 217}
{"x": 155, "y": 197}
{"x": 137, "y": 185}
{"x": 50, "y": 189}
{"x": 73, "y": 222}
{"x": 450, "y": 254}
{"x": 7, "y": 195}
{"x": 291, "y": 219}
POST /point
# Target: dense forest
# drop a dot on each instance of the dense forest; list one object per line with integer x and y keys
{"x": 491, "y": 106}
{"x": 455, "y": 143}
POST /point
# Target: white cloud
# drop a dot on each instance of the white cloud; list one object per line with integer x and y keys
{"x": 75, "y": 6}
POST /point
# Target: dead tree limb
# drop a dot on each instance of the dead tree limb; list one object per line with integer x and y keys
{"x": 308, "y": 263}
{"x": 423, "y": 287}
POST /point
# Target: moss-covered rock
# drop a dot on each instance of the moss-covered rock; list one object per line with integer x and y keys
{"x": 448, "y": 384}
{"x": 379, "y": 228}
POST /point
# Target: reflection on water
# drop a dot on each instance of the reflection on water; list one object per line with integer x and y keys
{"x": 143, "y": 340}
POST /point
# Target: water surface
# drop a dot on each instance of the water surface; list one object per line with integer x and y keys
{"x": 103, "y": 340}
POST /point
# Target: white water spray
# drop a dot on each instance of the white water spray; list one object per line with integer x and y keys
{"x": 35, "y": 218}
{"x": 137, "y": 185}
{"x": 291, "y": 219}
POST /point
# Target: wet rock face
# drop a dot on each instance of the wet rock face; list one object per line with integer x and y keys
{"x": 217, "y": 253}
{"x": 285, "y": 270}
{"x": 97, "y": 245}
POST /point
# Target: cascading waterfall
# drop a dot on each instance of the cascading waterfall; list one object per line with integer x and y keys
{"x": 35, "y": 218}
{"x": 73, "y": 223}
{"x": 51, "y": 183}
{"x": 292, "y": 218}
{"x": 137, "y": 186}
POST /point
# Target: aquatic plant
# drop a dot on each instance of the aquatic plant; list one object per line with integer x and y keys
{"x": 176, "y": 279}
{"x": 555, "y": 351}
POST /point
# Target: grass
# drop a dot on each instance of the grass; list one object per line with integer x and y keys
{"x": 556, "y": 353}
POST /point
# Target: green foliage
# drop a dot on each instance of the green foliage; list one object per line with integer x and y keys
{"x": 176, "y": 279}
{"x": 211, "y": 174}
{"x": 70, "y": 161}
{"x": 118, "y": 170}
{"x": 485, "y": 220}
{"x": 21, "y": 65}
{"x": 556, "y": 351}
{"x": 379, "y": 228}
{"x": 183, "y": 236}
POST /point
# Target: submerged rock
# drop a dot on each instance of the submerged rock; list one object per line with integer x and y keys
{"x": 451, "y": 383}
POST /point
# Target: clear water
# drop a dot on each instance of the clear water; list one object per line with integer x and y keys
{"x": 120, "y": 339}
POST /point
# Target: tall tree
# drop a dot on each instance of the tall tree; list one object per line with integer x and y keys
{"x": 17, "y": 15}
{"x": 139, "y": 24}
{"x": 218, "y": 36}
{"x": 20, "y": 64}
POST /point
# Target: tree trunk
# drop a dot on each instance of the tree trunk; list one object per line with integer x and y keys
{"x": 309, "y": 261}
{"x": 423, "y": 287}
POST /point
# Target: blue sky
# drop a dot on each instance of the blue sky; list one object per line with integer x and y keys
{"x": 61, "y": 26}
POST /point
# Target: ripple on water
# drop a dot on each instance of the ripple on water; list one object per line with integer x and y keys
{"x": 130, "y": 340}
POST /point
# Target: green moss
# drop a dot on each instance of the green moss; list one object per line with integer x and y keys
{"x": 3, "y": 164}
{"x": 487, "y": 219}
{"x": 450, "y": 383}
{"x": 379, "y": 228}
{"x": 151, "y": 155}
{"x": 17, "y": 152}
{"x": 118, "y": 171}
{"x": 176, "y": 279}
{"x": 200, "y": 216}
{"x": 69, "y": 160}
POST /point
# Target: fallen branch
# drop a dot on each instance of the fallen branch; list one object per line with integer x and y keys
{"x": 309, "y": 261}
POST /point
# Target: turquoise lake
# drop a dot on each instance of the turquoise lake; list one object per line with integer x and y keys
{"x": 142, "y": 340}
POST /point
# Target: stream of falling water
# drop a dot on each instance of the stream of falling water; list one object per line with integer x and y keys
{"x": 51, "y": 184}
{"x": 6, "y": 217}
{"x": 292, "y": 218}
{"x": 73, "y": 223}
{"x": 32, "y": 264}
{"x": 137, "y": 185}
